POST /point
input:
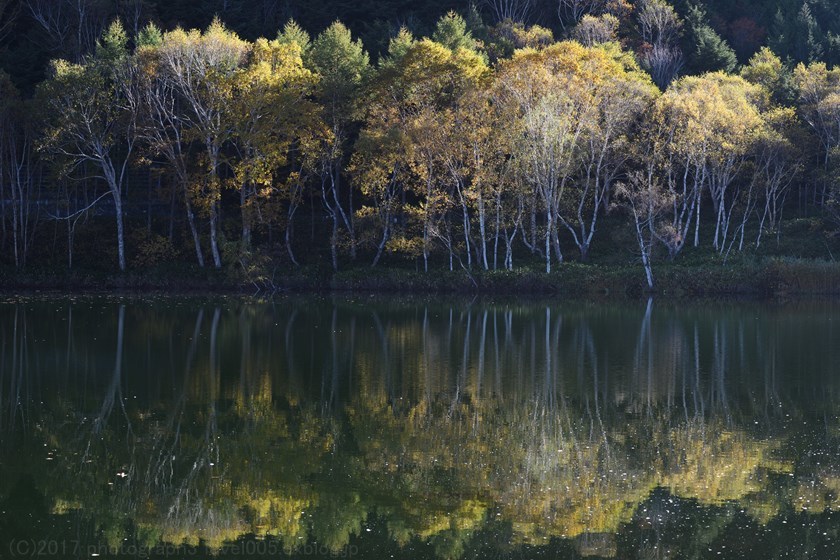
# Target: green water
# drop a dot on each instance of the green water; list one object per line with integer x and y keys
{"x": 379, "y": 428}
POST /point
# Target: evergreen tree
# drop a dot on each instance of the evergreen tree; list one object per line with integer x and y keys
{"x": 451, "y": 32}
{"x": 707, "y": 51}
{"x": 797, "y": 38}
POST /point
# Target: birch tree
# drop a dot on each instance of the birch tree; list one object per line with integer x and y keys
{"x": 613, "y": 94}
{"x": 778, "y": 163}
{"x": 513, "y": 10}
{"x": 199, "y": 66}
{"x": 19, "y": 173}
{"x": 549, "y": 130}
{"x": 706, "y": 127}
{"x": 381, "y": 154}
{"x": 268, "y": 113}
{"x": 660, "y": 29}
{"x": 645, "y": 198}
{"x": 93, "y": 109}
{"x": 161, "y": 128}
{"x": 418, "y": 88}
{"x": 570, "y": 12}
{"x": 819, "y": 105}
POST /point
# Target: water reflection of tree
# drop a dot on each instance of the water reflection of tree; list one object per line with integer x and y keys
{"x": 442, "y": 420}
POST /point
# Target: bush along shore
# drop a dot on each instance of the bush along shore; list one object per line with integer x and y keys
{"x": 771, "y": 277}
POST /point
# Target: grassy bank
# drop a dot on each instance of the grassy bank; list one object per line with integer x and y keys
{"x": 766, "y": 278}
{"x": 775, "y": 277}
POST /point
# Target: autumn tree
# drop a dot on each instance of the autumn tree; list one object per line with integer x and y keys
{"x": 819, "y": 100}
{"x": 704, "y": 128}
{"x": 548, "y": 131}
{"x": 161, "y": 129}
{"x": 199, "y": 67}
{"x": 507, "y": 36}
{"x": 660, "y": 28}
{"x": 268, "y": 114}
{"x": 93, "y": 111}
{"x": 419, "y": 85}
{"x": 486, "y": 169}
{"x": 9, "y": 12}
{"x": 767, "y": 70}
{"x": 615, "y": 95}
{"x": 594, "y": 30}
{"x": 381, "y": 154}
{"x": 818, "y": 90}
{"x": 642, "y": 194}
{"x": 777, "y": 163}
{"x": 576, "y": 106}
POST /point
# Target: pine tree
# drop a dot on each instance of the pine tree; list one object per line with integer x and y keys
{"x": 707, "y": 51}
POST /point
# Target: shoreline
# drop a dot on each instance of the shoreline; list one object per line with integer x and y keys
{"x": 772, "y": 278}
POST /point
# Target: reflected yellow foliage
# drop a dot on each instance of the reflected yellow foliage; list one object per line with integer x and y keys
{"x": 716, "y": 465}
{"x": 818, "y": 493}
{"x": 438, "y": 470}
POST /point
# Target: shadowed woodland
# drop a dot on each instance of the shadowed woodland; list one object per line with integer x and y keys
{"x": 495, "y": 136}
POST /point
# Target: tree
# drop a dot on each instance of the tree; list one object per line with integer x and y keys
{"x": 778, "y": 162}
{"x": 93, "y": 111}
{"x": 18, "y": 172}
{"x": 616, "y": 94}
{"x": 379, "y": 165}
{"x": 381, "y": 154}
{"x": 292, "y": 33}
{"x": 433, "y": 80}
{"x": 161, "y": 128}
{"x": 269, "y": 113}
{"x": 644, "y": 196}
{"x": 570, "y": 12}
{"x": 468, "y": 152}
{"x": 705, "y": 127}
{"x": 71, "y": 26}
{"x": 595, "y": 30}
{"x": 513, "y": 10}
{"x": 548, "y": 130}
{"x": 575, "y": 107}
{"x": 451, "y": 32}
{"x": 819, "y": 93}
{"x": 342, "y": 66}
{"x": 661, "y": 152}
{"x": 660, "y": 29}
{"x": 658, "y": 22}
{"x": 199, "y": 66}
{"x": 798, "y": 37}
{"x": 9, "y": 11}
{"x": 767, "y": 70}
{"x": 417, "y": 91}
{"x": 708, "y": 51}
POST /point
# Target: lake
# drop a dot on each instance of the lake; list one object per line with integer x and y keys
{"x": 413, "y": 428}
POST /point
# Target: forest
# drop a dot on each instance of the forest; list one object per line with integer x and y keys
{"x": 249, "y": 137}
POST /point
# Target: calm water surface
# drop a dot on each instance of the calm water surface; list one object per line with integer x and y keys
{"x": 376, "y": 428}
